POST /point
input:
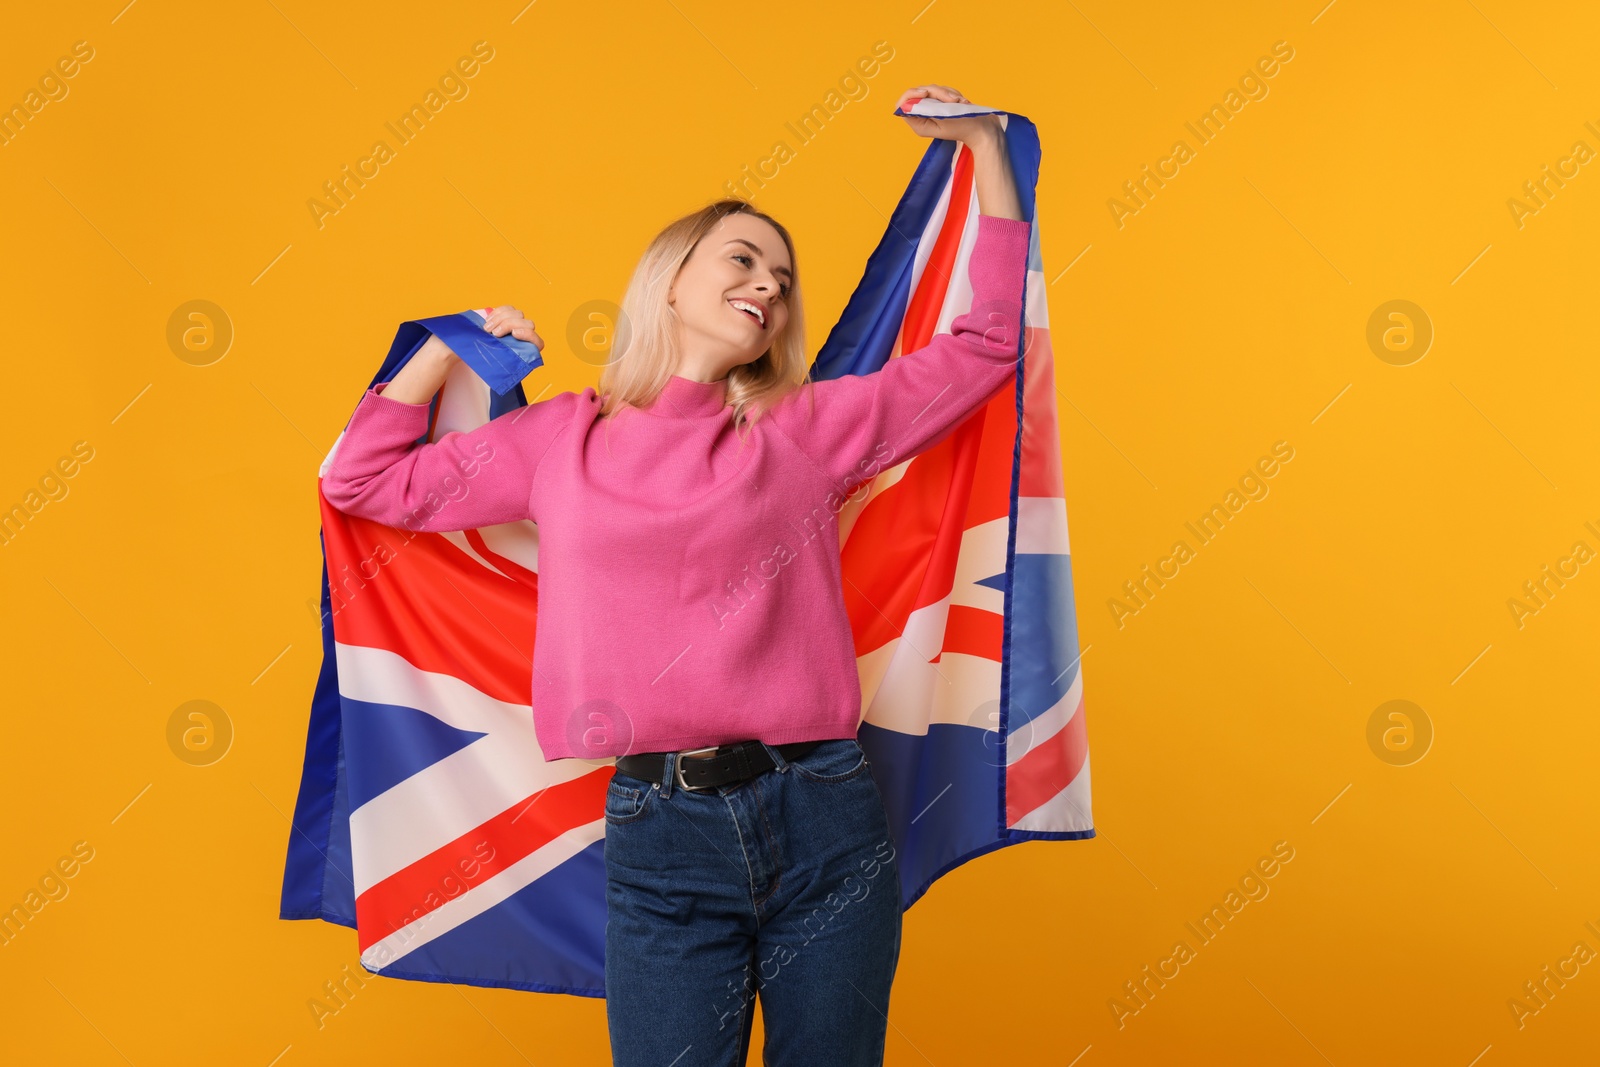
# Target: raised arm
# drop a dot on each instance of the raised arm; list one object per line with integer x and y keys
{"x": 462, "y": 481}
{"x": 859, "y": 424}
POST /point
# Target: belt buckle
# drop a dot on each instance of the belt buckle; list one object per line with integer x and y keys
{"x": 677, "y": 768}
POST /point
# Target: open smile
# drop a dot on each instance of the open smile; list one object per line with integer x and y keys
{"x": 754, "y": 311}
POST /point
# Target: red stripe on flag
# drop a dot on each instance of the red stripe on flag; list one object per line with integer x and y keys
{"x": 388, "y": 588}
{"x": 1047, "y": 769}
{"x": 974, "y": 632}
{"x": 902, "y": 549}
{"x": 901, "y": 552}
{"x": 991, "y": 485}
{"x": 1041, "y": 433}
{"x": 922, "y": 311}
{"x": 478, "y": 855}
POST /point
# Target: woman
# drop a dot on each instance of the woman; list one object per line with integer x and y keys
{"x": 691, "y": 622}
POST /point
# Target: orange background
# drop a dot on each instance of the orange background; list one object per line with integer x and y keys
{"x": 1229, "y": 313}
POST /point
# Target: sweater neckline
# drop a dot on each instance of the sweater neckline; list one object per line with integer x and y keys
{"x": 685, "y": 398}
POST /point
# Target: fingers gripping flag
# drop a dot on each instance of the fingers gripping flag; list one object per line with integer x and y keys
{"x": 428, "y": 818}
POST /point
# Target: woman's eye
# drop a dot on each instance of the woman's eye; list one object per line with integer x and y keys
{"x": 783, "y": 290}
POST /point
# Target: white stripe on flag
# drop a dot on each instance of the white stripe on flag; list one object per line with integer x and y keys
{"x": 1036, "y": 312}
{"x": 1042, "y": 526}
{"x": 982, "y": 555}
{"x": 902, "y": 691}
{"x": 481, "y": 898}
{"x": 458, "y": 793}
{"x": 1067, "y": 811}
{"x": 1044, "y": 728}
{"x": 459, "y": 539}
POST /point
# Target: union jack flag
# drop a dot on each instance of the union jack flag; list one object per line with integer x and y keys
{"x": 428, "y": 818}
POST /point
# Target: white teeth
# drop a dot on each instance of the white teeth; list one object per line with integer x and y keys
{"x": 747, "y": 306}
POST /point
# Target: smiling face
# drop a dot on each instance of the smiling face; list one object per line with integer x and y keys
{"x": 731, "y": 296}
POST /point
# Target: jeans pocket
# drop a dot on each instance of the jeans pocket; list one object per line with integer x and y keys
{"x": 839, "y": 759}
{"x": 626, "y": 803}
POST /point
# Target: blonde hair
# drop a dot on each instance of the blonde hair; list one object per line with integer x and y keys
{"x": 645, "y": 351}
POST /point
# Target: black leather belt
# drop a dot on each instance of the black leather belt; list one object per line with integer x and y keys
{"x": 736, "y": 762}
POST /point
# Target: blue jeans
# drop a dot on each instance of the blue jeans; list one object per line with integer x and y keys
{"x": 783, "y": 886}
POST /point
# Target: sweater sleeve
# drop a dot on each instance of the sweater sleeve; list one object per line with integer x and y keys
{"x": 462, "y": 481}
{"x": 856, "y": 423}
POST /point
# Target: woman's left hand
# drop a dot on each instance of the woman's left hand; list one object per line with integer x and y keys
{"x": 507, "y": 319}
{"x": 967, "y": 129}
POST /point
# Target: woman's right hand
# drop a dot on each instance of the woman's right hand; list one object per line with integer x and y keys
{"x": 422, "y": 376}
{"x": 507, "y": 319}
{"x": 966, "y": 129}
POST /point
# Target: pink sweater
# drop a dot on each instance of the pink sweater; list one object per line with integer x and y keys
{"x": 689, "y": 588}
